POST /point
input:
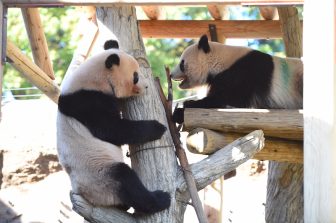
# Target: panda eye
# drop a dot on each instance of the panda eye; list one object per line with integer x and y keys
{"x": 182, "y": 66}
{"x": 135, "y": 77}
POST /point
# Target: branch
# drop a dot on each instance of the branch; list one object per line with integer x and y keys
{"x": 189, "y": 179}
{"x": 99, "y": 214}
{"x": 224, "y": 160}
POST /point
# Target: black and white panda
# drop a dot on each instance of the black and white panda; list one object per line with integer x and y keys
{"x": 90, "y": 130}
{"x": 239, "y": 77}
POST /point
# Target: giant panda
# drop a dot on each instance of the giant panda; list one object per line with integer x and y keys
{"x": 90, "y": 130}
{"x": 238, "y": 77}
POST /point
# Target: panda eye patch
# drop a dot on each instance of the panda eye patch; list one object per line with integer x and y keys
{"x": 135, "y": 78}
{"x": 182, "y": 66}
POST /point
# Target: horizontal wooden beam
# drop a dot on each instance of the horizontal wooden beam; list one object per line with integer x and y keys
{"x": 280, "y": 123}
{"x": 41, "y": 3}
{"x": 205, "y": 141}
{"x": 253, "y": 29}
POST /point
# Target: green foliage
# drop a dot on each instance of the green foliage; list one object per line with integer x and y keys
{"x": 58, "y": 24}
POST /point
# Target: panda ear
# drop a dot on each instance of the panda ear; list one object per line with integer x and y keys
{"x": 203, "y": 44}
{"x": 111, "y": 44}
{"x": 111, "y": 60}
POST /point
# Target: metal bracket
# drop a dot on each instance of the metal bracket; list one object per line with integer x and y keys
{"x": 213, "y": 33}
{"x": 4, "y": 34}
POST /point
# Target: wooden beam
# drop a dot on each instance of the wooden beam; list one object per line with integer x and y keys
{"x": 291, "y": 31}
{"x": 37, "y": 39}
{"x": 286, "y": 124}
{"x": 268, "y": 13}
{"x": 320, "y": 111}
{"x": 218, "y": 12}
{"x": 32, "y": 72}
{"x": 262, "y": 29}
{"x": 205, "y": 141}
{"x": 153, "y": 12}
{"x": 25, "y": 3}
{"x": 22, "y": 3}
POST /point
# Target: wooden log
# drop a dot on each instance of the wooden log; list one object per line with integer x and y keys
{"x": 205, "y": 141}
{"x": 37, "y": 40}
{"x": 218, "y": 12}
{"x": 32, "y": 72}
{"x": 284, "y": 199}
{"x": 153, "y": 12}
{"x": 258, "y": 29}
{"x": 22, "y": 3}
{"x": 319, "y": 116}
{"x": 291, "y": 30}
{"x": 268, "y": 13}
{"x": 280, "y": 123}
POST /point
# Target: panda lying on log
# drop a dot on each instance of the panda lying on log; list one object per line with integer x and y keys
{"x": 238, "y": 77}
{"x": 90, "y": 130}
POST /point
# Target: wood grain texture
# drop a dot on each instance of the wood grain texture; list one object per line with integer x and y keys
{"x": 156, "y": 167}
{"x": 37, "y": 39}
{"x": 18, "y": 3}
{"x": 205, "y": 141}
{"x": 32, "y": 72}
{"x": 287, "y": 124}
{"x": 153, "y": 12}
{"x": 268, "y": 13}
{"x": 284, "y": 199}
{"x": 224, "y": 160}
{"x": 319, "y": 117}
{"x": 258, "y": 29}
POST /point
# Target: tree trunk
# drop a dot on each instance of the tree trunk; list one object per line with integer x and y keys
{"x": 157, "y": 166}
{"x": 284, "y": 201}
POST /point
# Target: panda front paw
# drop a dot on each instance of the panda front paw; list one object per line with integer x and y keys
{"x": 154, "y": 130}
{"x": 178, "y": 115}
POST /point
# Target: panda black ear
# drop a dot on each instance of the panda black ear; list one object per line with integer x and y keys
{"x": 111, "y": 44}
{"x": 203, "y": 44}
{"x": 111, "y": 60}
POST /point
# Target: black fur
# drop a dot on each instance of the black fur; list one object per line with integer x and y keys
{"x": 100, "y": 113}
{"x": 249, "y": 76}
{"x": 203, "y": 44}
{"x": 111, "y": 60}
{"x": 111, "y": 44}
{"x": 134, "y": 194}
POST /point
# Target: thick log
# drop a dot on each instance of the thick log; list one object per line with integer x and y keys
{"x": 247, "y": 29}
{"x": 291, "y": 30}
{"x": 268, "y": 13}
{"x": 32, "y": 72}
{"x": 153, "y": 12}
{"x": 284, "y": 199}
{"x": 22, "y": 3}
{"x": 218, "y": 12}
{"x": 156, "y": 166}
{"x": 205, "y": 141}
{"x": 37, "y": 40}
{"x": 280, "y": 123}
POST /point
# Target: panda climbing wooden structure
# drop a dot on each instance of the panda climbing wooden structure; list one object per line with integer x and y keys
{"x": 238, "y": 77}
{"x": 90, "y": 130}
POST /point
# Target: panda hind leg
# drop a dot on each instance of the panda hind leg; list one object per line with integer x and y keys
{"x": 131, "y": 192}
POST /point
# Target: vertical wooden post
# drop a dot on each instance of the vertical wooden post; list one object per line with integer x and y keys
{"x": 284, "y": 202}
{"x": 2, "y": 63}
{"x": 37, "y": 40}
{"x": 320, "y": 111}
